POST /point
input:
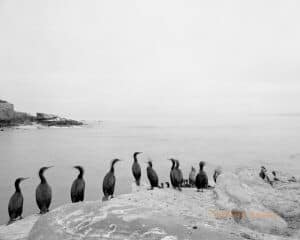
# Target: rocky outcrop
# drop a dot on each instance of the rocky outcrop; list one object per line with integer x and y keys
{"x": 18, "y": 230}
{"x": 241, "y": 206}
{"x": 23, "y": 118}
{"x": 7, "y": 112}
{"x": 53, "y": 120}
{"x": 262, "y": 207}
{"x": 9, "y": 117}
{"x": 164, "y": 214}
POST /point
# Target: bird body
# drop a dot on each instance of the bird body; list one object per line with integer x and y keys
{"x": 78, "y": 186}
{"x": 172, "y": 172}
{"x": 15, "y": 205}
{"x": 217, "y": 172}
{"x": 201, "y": 179}
{"x": 180, "y": 175}
{"x": 262, "y": 173}
{"x": 43, "y": 193}
{"x": 109, "y": 181}
{"x": 136, "y": 169}
{"x": 177, "y": 176}
{"x": 152, "y": 176}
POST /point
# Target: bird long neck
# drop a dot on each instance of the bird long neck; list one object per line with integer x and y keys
{"x": 135, "y": 158}
{"x": 112, "y": 168}
{"x": 80, "y": 175}
{"x": 43, "y": 179}
{"x": 173, "y": 165}
{"x": 17, "y": 186}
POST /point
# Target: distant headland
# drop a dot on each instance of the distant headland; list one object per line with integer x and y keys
{"x": 10, "y": 118}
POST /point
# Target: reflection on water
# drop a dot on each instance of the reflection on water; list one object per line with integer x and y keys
{"x": 269, "y": 141}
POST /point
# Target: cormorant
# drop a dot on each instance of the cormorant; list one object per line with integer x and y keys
{"x": 78, "y": 186}
{"x": 43, "y": 192}
{"x": 178, "y": 177}
{"x": 136, "y": 169}
{"x": 172, "y": 172}
{"x": 167, "y": 184}
{"x": 275, "y": 178}
{"x": 262, "y": 173}
{"x": 152, "y": 176}
{"x": 201, "y": 179}
{"x": 217, "y": 172}
{"x": 15, "y": 205}
{"x": 109, "y": 181}
{"x": 192, "y": 176}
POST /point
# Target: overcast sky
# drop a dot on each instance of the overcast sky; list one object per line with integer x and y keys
{"x": 107, "y": 59}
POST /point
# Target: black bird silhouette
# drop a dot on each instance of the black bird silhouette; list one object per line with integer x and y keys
{"x": 152, "y": 176}
{"x": 201, "y": 178}
{"x": 15, "y": 205}
{"x": 217, "y": 172}
{"x": 172, "y": 172}
{"x": 78, "y": 186}
{"x": 178, "y": 175}
{"x": 136, "y": 169}
{"x": 109, "y": 181}
{"x": 43, "y": 192}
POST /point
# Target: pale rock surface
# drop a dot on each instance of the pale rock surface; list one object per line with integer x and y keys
{"x": 170, "y": 214}
{"x": 266, "y": 208}
{"x": 18, "y": 230}
{"x": 158, "y": 214}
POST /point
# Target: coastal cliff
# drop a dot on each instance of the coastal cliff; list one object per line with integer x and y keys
{"x": 9, "y": 117}
{"x": 7, "y": 111}
{"x": 169, "y": 214}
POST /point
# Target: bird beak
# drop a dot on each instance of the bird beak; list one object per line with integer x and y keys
{"x": 49, "y": 167}
{"x": 25, "y": 178}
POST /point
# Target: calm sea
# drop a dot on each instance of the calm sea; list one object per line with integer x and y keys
{"x": 252, "y": 141}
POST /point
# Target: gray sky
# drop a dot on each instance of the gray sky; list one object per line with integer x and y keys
{"x": 105, "y": 59}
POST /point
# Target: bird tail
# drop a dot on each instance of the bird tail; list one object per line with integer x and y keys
{"x": 138, "y": 182}
{"x": 10, "y": 221}
{"x": 104, "y": 198}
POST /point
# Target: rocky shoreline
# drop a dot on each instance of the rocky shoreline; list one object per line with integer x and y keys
{"x": 168, "y": 214}
{"x": 11, "y": 118}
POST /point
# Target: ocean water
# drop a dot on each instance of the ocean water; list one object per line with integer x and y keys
{"x": 251, "y": 141}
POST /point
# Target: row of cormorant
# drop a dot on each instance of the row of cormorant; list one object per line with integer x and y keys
{"x": 44, "y": 192}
